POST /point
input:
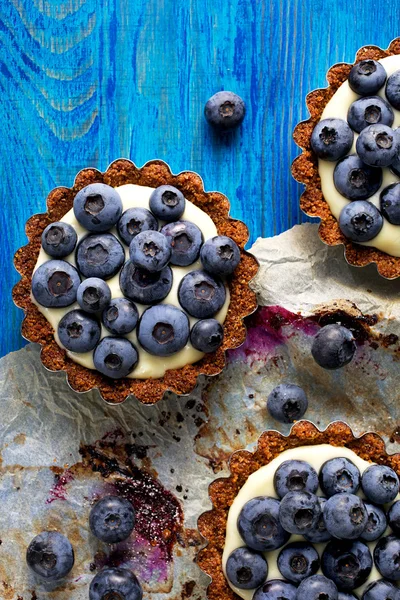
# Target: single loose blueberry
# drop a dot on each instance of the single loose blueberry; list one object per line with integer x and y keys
{"x": 320, "y": 534}
{"x": 259, "y": 526}
{"x": 115, "y": 584}
{"x": 390, "y": 203}
{"x": 201, "y": 295}
{"x": 163, "y": 330}
{"x": 135, "y": 220}
{"x": 207, "y": 335}
{"x": 393, "y": 89}
{"x": 112, "y": 519}
{"x": 355, "y": 180}
{"x": 185, "y": 239}
{"x": 78, "y": 331}
{"x": 348, "y": 564}
{"x": 367, "y": 77}
{"x": 376, "y": 524}
{"x": 393, "y": 517}
{"x": 225, "y": 111}
{"x": 299, "y": 512}
{"x": 144, "y": 287}
{"x": 332, "y": 139}
{"x": 295, "y": 476}
{"x": 246, "y": 569}
{"x": 287, "y": 403}
{"x": 339, "y": 475}
{"x": 297, "y": 561}
{"x": 317, "y": 587}
{"x": 360, "y": 221}
{"x": 380, "y": 484}
{"x": 150, "y": 250}
{"x": 120, "y": 316}
{"x": 59, "y": 239}
{"x": 55, "y": 284}
{"x": 97, "y": 207}
{"x": 387, "y": 557}
{"x": 345, "y": 516}
{"x": 100, "y": 255}
{"x": 377, "y": 145}
{"x": 381, "y": 590}
{"x": 50, "y": 555}
{"x": 93, "y": 294}
{"x": 368, "y": 111}
{"x": 276, "y": 589}
{"x": 115, "y": 357}
{"x": 220, "y": 255}
{"x": 167, "y": 203}
{"x": 333, "y": 347}
{"x": 345, "y": 596}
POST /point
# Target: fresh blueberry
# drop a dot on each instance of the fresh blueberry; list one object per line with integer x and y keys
{"x": 295, "y": 476}
{"x": 332, "y": 139}
{"x": 163, "y": 330}
{"x": 167, "y": 203}
{"x": 381, "y": 590}
{"x": 345, "y": 516}
{"x": 259, "y": 526}
{"x": 201, "y": 295}
{"x": 93, "y": 295}
{"x": 97, "y": 207}
{"x": 225, "y": 110}
{"x": 100, "y": 255}
{"x": 115, "y": 357}
{"x": 345, "y": 596}
{"x": 185, "y": 239}
{"x": 360, "y": 221}
{"x": 276, "y": 589}
{"x": 393, "y": 517}
{"x": 376, "y": 524}
{"x": 78, "y": 331}
{"x": 367, "y": 77}
{"x": 220, "y": 255}
{"x": 368, "y": 111}
{"x": 387, "y": 557}
{"x": 339, "y": 475}
{"x": 380, "y": 484}
{"x": 320, "y": 534}
{"x": 134, "y": 221}
{"x": 299, "y": 512}
{"x": 246, "y": 569}
{"x": 348, "y": 564}
{"x": 55, "y": 284}
{"x": 144, "y": 287}
{"x": 120, "y": 316}
{"x": 112, "y": 519}
{"x": 207, "y": 335}
{"x": 297, "y": 561}
{"x": 395, "y": 166}
{"x": 333, "y": 347}
{"x": 150, "y": 250}
{"x": 115, "y": 584}
{"x": 377, "y": 145}
{"x": 393, "y": 89}
{"x": 59, "y": 239}
{"x": 50, "y": 555}
{"x": 317, "y": 587}
{"x": 287, "y": 403}
{"x": 355, "y": 180}
{"x": 390, "y": 203}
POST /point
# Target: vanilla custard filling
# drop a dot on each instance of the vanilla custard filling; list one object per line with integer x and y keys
{"x": 148, "y": 366}
{"x": 388, "y": 239}
{"x": 261, "y": 483}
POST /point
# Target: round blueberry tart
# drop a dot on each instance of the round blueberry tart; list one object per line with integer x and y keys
{"x": 350, "y": 161}
{"x": 135, "y": 281}
{"x": 312, "y": 515}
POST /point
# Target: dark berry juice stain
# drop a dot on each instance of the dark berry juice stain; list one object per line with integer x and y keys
{"x": 61, "y": 480}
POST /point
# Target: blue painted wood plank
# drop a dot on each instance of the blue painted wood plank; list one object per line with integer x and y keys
{"x": 83, "y": 82}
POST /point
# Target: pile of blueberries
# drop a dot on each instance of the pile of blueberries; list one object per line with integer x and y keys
{"x": 341, "y": 519}
{"x": 359, "y": 176}
{"x": 146, "y": 278}
{"x": 112, "y": 519}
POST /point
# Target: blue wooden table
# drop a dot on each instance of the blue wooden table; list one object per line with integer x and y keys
{"x": 83, "y": 82}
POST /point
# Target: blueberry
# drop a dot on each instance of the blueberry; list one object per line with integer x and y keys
{"x": 259, "y": 526}
{"x": 345, "y": 516}
{"x": 297, "y": 561}
{"x": 225, "y": 110}
{"x": 387, "y": 557}
{"x": 276, "y": 589}
{"x": 368, "y": 111}
{"x": 390, "y": 203}
{"x": 134, "y": 221}
{"x": 367, "y": 77}
{"x": 377, "y": 145}
{"x": 393, "y": 517}
{"x": 320, "y": 534}
{"x": 393, "y": 89}
{"x": 55, "y": 284}
{"x": 360, "y": 221}
{"x": 185, "y": 239}
{"x": 287, "y": 403}
{"x": 167, "y": 203}
{"x": 120, "y": 316}
{"x": 380, "y": 484}
{"x": 115, "y": 584}
{"x": 246, "y": 569}
{"x": 345, "y": 596}
{"x": 163, "y": 330}
{"x": 339, "y": 475}
{"x": 78, "y": 331}
{"x": 317, "y": 587}
{"x": 376, "y": 524}
{"x": 93, "y": 295}
{"x": 381, "y": 590}
{"x": 295, "y": 476}
{"x": 299, "y": 512}
{"x": 112, "y": 519}
{"x": 348, "y": 564}
{"x": 115, "y": 357}
{"x": 355, "y": 180}
{"x": 59, "y": 239}
{"x": 150, "y": 250}
{"x": 100, "y": 255}
{"x": 142, "y": 286}
{"x": 207, "y": 335}
{"x": 97, "y": 207}
{"x": 333, "y": 347}
{"x": 50, "y": 555}
{"x": 220, "y": 255}
{"x": 201, "y": 295}
{"x": 332, "y": 139}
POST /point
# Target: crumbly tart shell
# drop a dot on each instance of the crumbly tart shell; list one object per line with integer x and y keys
{"x": 36, "y": 328}
{"x": 305, "y": 169}
{"x": 222, "y": 492}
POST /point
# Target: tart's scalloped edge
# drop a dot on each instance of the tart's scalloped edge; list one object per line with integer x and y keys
{"x": 305, "y": 170}
{"x": 212, "y": 523}
{"x": 35, "y": 327}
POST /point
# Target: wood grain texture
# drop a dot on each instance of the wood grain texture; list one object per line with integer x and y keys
{"x": 83, "y": 82}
